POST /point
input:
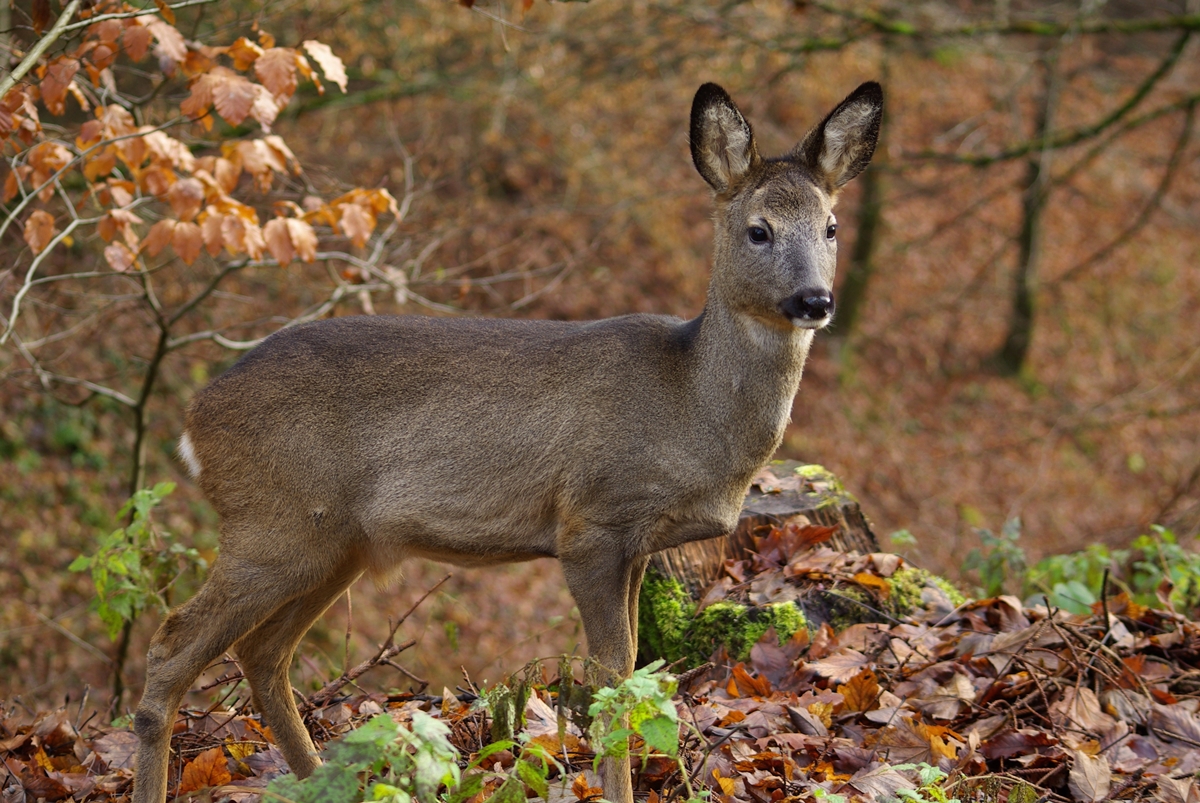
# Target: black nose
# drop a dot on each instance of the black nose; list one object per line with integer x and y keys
{"x": 808, "y": 305}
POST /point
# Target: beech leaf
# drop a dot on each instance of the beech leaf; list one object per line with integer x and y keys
{"x": 276, "y": 69}
{"x": 39, "y": 230}
{"x": 187, "y": 239}
{"x": 119, "y": 257}
{"x": 330, "y": 64}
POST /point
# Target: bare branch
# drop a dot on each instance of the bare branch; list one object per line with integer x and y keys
{"x": 40, "y": 47}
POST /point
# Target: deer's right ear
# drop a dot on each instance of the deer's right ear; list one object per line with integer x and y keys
{"x": 722, "y": 143}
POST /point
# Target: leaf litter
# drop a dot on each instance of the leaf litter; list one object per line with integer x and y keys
{"x": 1009, "y": 702}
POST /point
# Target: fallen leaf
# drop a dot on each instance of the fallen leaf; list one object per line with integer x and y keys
{"x": 1090, "y": 777}
{"x": 210, "y": 768}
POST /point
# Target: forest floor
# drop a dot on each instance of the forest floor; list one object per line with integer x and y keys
{"x": 986, "y": 700}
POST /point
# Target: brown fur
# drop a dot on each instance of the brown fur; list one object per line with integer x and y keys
{"x": 344, "y": 446}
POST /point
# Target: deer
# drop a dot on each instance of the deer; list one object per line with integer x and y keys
{"x": 340, "y": 447}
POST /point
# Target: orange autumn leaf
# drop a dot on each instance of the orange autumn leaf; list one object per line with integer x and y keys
{"x": 748, "y": 685}
{"x": 276, "y": 70}
{"x": 136, "y": 40}
{"x": 357, "y": 222}
{"x": 861, "y": 692}
{"x": 304, "y": 239}
{"x": 874, "y": 582}
{"x": 187, "y": 239}
{"x": 279, "y": 241}
{"x": 39, "y": 230}
{"x": 170, "y": 41}
{"x": 210, "y": 768}
{"x": 159, "y": 236}
{"x": 54, "y": 85}
{"x": 244, "y": 53}
{"x": 582, "y": 790}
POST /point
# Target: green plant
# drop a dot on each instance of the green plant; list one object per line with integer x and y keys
{"x": 383, "y": 762}
{"x": 135, "y": 566}
{"x": 999, "y": 559}
{"x": 1162, "y": 558}
{"x": 641, "y": 704}
{"x": 1071, "y": 581}
{"x": 932, "y": 788}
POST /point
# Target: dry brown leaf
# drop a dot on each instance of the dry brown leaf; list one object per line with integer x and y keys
{"x": 39, "y": 15}
{"x": 244, "y": 53}
{"x": 357, "y": 223}
{"x": 266, "y": 107}
{"x": 119, "y": 257}
{"x": 136, "y": 40}
{"x": 170, "y": 41}
{"x": 210, "y": 227}
{"x": 304, "y": 239}
{"x": 276, "y": 70}
{"x": 210, "y": 768}
{"x": 279, "y": 241}
{"x": 158, "y": 237}
{"x": 330, "y": 64}
{"x": 59, "y": 75}
{"x": 167, "y": 12}
{"x": 283, "y": 152}
{"x": 39, "y": 230}
{"x": 186, "y": 198}
{"x": 841, "y": 666}
{"x": 861, "y": 692}
{"x": 233, "y": 96}
{"x": 187, "y": 240}
{"x": 1090, "y": 777}
{"x": 200, "y": 100}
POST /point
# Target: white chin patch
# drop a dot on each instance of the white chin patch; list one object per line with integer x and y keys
{"x": 811, "y": 323}
{"x": 188, "y": 455}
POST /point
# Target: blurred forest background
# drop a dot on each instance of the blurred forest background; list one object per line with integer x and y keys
{"x": 1018, "y": 297}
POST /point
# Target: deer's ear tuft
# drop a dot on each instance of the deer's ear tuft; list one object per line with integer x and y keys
{"x": 841, "y": 147}
{"x": 723, "y": 147}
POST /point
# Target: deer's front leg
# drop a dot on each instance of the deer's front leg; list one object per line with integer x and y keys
{"x": 604, "y": 585}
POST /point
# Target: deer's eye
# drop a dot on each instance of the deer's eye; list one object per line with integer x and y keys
{"x": 759, "y": 235}
{"x": 831, "y": 231}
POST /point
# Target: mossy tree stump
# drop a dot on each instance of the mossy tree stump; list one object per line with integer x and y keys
{"x": 670, "y": 624}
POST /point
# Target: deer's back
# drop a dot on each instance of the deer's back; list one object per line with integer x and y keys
{"x": 413, "y": 428}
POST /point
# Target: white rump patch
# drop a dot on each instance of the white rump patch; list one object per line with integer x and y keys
{"x": 187, "y": 454}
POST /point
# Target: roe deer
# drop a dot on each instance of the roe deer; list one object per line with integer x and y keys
{"x": 341, "y": 447}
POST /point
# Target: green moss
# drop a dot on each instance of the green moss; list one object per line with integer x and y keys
{"x": 669, "y": 628}
{"x": 909, "y": 582}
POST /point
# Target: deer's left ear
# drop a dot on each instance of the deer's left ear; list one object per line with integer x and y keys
{"x": 841, "y": 147}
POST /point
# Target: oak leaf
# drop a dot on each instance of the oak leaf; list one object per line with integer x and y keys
{"x": 39, "y": 230}
{"x": 276, "y": 70}
{"x": 210, "y": 768}
{"x": 330, "y": 64}
{"x": 187, "y": 240}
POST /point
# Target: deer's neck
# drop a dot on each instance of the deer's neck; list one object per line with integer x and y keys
{"x": 747, "y": 372}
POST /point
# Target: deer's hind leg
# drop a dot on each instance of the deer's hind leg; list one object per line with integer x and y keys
{"x": 233, "y": 601}
{"x": 266, "y": 654}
